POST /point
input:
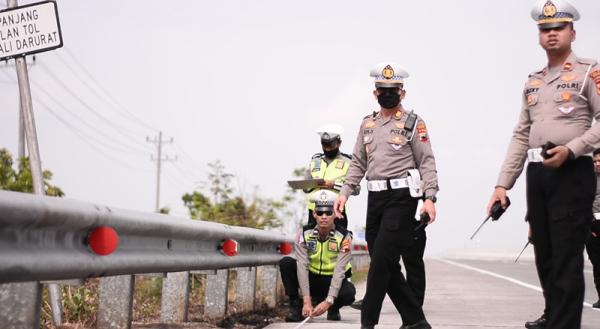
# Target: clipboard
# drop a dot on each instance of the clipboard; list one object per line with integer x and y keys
{"x": 305, "y": 184}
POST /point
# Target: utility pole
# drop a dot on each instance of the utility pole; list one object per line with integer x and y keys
{"x": 22, "y": 151}
{"x": 30, "y": 137}
{"x": 159, "y": 159}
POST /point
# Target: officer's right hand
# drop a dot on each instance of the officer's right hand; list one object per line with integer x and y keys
{"x": 499, "y": 194}
{"x": 307, "y": 308}
{"x": 339, "y": 204}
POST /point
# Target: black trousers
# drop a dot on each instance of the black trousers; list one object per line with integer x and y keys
{"x": 319, "y": 285}
{"x": 593, "y": 250}
{"x": 414, "y": 265}
{"x": 559, "y": 210}
{"x": 389, "y": 234}
{"x": 343, "y": 222}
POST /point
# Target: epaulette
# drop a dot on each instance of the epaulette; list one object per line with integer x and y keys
{"x": 346, "y": 155}
{"x": 372, "y": 115}
{"x": 587, "y": 61}
{"x": 317, "y": 156}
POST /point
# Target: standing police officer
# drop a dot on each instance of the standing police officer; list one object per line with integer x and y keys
{"x": 321, "y": 268}
{"x": 394, "y": 151}
{"x": 559, "y": 104}
{"x": 331, "y": 166}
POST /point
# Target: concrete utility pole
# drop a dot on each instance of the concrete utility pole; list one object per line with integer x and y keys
{"x": 159, "y": 159}
{"x": 28, "y": 123}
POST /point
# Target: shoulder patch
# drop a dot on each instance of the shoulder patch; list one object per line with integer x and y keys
{"x": 587, "y": 61}
{"x": 317, "y": 156}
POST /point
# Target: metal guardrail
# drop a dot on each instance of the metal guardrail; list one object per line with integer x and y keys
{"x": 43, "y": 238}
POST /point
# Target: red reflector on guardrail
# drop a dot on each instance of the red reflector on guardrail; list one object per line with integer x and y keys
{"x": 285, "y": 248}
{"x": 229, "y": 247}
{"x": 103, "y": 240}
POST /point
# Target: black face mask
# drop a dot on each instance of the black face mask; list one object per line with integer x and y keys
{"x": 331, "y": 154}
{"x": 388, "y": 98}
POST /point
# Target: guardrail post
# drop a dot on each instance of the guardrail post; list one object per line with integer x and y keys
{"x": 20, "y": 305}
{"x": 116, "y": 301}
{"x": 266, "y": 286}
{"x": 175, "y": 298}
{"x": 215, "y": 293}
{"x": 245, "y": 284}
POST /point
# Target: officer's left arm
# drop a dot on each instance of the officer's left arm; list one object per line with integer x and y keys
{"x": 424, "y": 159}
{"x": 587, "y": 142}
{"x": 339, "y": 273}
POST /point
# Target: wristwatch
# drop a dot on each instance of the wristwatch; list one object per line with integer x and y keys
{"x": 330, "y": 299}
{"x": 433, "y": 198}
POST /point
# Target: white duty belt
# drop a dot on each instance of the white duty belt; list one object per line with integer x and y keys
{"x": 535, "y": 155}
{"x": 382, "y": 185}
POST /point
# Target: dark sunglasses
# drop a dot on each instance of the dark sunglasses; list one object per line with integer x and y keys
{"x": 324, "y": 212}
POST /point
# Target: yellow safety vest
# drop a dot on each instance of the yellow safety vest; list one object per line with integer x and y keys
{"x": 322, "y": 256}
{"x": 335, "y": 171}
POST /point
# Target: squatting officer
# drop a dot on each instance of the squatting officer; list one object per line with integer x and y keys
{"x": 394, "y": 151}
{"x": 331, "y": 165}
{"x": 559, "y": 104}
{"x": 321, "y": 268}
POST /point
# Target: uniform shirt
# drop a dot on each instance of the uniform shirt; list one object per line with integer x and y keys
{"x": 339, "y": 273}
{"x": 383, "y": 152}
{"x": 553, "y": 111}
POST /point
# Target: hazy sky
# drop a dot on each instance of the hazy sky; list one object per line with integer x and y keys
{"x": 248, "y": 82}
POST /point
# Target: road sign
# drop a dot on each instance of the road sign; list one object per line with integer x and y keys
{"x": 29, "y": 29}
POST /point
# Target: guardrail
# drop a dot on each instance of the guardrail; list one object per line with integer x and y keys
{"x": 44, "y": 238}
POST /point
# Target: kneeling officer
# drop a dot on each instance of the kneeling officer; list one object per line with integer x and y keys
{"x": 322, "y": 265}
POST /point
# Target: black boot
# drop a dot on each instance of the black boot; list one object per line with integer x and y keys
{"x": 295, "y": 311}
{"x": 596, "y": 304}
{"x": 423, "y": 324}
{"x": 537, "y": 324}
{"x": 333, "y": 314}
{"x": 357, "y": 305}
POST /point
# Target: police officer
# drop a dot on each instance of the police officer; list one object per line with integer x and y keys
{"x": 394, "y": 151}
{"x": 323, "y": 253}
{"x": 559, "y": 104}
{"x": 331, "y": 165}
{"x": 593, "y": 243}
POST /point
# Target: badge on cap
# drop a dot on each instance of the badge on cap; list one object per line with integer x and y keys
{"x": 549, "y": 9}
{"x": 388, "y": 72}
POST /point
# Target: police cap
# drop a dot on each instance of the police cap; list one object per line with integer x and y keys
{"x": 550, "y": 14}
{"x": 389, "y": 75}
{"x": 330, "y": 133}
{"x": 323, "y": 199}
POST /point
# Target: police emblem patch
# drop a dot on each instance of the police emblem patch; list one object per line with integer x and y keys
{"x": 332, "y": 246}
{"x": 369, "y": 124}
{"x": 422, "y": 132}
{"x": 535, "y": 83}
{"x": 566, "y": 109}
{"x": 311, "y": 245}
{"x": 568, "y": 77}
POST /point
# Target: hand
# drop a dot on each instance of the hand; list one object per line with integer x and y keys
{"x": 499, "y": 194}
{"x": 338, "y": 205}
{"x": 429, "y": 207}
{"x": 307, "y": 308}
{"x": 558, "y": 156}
{"x": 320, "y": 309}
{"x": 327, "y": 184}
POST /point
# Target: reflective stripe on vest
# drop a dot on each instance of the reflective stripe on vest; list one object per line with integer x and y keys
{"x": 337, "y": 169}
{"x": 322, "y": 256}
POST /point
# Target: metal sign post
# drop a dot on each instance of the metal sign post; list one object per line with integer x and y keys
{"x": 27, "y": 30}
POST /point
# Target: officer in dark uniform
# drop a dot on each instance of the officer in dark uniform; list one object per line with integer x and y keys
{"x": 322, "y": 266}
{"x": 331, "y": 166}
{"x": 393, "y": 150}
{"x": 593, "y": 243}
{"x": 555, "y": 133}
